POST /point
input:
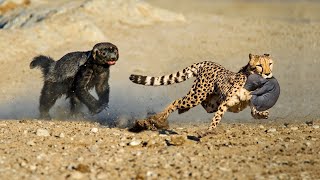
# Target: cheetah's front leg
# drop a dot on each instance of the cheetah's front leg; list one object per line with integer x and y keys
{"x": 215, "y": 121}
{"x": 258, "y": 114}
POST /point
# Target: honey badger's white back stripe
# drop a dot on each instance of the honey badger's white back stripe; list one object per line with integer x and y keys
{"x": 177, "y": 77}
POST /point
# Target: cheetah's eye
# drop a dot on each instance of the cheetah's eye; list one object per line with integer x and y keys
{"x": 270, "y": 64}
{"x": 259, "y": 65}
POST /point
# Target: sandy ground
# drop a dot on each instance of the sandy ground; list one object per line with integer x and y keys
{"x": 155, "y": 38}
{"x": 82, "y": 150}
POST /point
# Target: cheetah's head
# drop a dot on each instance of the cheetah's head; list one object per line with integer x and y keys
{"x": 105, "y": 53}
{"x": 261, "y": 64}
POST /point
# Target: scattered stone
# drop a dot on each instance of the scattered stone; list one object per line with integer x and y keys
{"x": 151, "y": 174}
{"x": 75, "y": 175}
{"x": 286, "y": 124}
{"x": 315, "y": 126}
{"x": 294, "y": 128}
{"x": 261, "y": 127}
{"x": 94, "y": 130}
{"x": 309, "y": 123}
{"x": 94, "y": 148}
{"x": 176, "y": 140}
{"x": 272, "y": 130}
{"x": 82, "y": 168}
{"x": 308, "y": 144}
{"x": 102, "y": 175}
{"x": 61, "y": 135}
{"x": 31, "y": 143}
{"x": 122, "y": 144}
{"x": 3, "y": 125}
{"x": 32, "y": 167}
{"x": 42, "y": 132}
{"x": 135, "y": 143}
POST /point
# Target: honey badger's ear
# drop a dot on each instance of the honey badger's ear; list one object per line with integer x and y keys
{"x": 267, "y": 55}
{"x": 94, "y": 52}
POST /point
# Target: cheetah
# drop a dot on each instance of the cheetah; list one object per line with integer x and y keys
{"x": 216, "y": 88}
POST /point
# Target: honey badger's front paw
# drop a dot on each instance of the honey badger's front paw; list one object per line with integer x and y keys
{"x": 96, "y": 108}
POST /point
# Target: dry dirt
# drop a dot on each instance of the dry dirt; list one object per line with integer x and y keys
{"x": 155, "y": 38}
{"x": 83, "y": 150}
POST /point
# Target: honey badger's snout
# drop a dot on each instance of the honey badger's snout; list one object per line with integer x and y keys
{"x": 113, "y": 56}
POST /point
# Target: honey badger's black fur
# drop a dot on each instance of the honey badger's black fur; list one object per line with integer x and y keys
{"x": 74, "y": 75}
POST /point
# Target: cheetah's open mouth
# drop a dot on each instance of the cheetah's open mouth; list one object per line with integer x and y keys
{"x": 111, "y": 62}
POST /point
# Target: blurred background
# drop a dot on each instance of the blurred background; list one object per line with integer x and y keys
{"x": 157, "y": 37}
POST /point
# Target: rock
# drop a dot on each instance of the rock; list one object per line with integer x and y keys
{"x": 61, "y": 135}
{"x": 176, "y": 140}
{"x": 94, "y": 148}
{"x": 42, "y": 132}
{"x": 315, "y": 126}
{"x": 309, "y": 123}
{"x": 135, "y": 143}
{"x": 102, "y": 175}
{"x": 308, "y": 144}
{"x": 76, "y": 175}
{"x": 32, "y": 167}
{"x": 82, "y": 168}
{"x": 261, "y": 127}
{"x": 294, "y": 128}
{"x": 151, "y": 174}
{"x": 94, "y": 130}
{"x": 272, "y": 130}
{"x": 31, "y": 143}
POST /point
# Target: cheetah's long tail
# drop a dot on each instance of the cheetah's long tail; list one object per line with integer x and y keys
{"x": 42, "y": 62}
{"x": 177, "y": 77}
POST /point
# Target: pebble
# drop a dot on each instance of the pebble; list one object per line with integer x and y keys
{"x": 42, "y": 132}
{"x": 93, "y": 148}
{"x": 261, "y": 127}
{"x": 151, "y": 174}
{"x": 102, "y": 175}
{"x": 308, "y": 144}
{"x": 61, "y": 135}
{"x": 176, "y": 140}
{"x": 3, "y": 125}
{"x": 31, "y": 143}
{"x": 315, "y": 126}
{"x": 294, "y": 128}
{"x": 271, "y": 130}
{"x": 33, "y": 167}
{"x": 94, "y": 130}
{"x": 135, "y": 143}
{"x": 76, "y": 175}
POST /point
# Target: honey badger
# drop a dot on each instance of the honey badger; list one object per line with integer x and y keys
{"x": 74, "y": 75}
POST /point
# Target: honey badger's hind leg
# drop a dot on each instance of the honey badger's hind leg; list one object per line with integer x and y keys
{"x": 49, "y": 94}
{"x": 75, "y": 106}
{"x": 159, "y": 121}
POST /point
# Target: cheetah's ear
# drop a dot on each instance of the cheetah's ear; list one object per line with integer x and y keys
{"x": 251, "y": 56}
{"x": 267, "y": 55}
